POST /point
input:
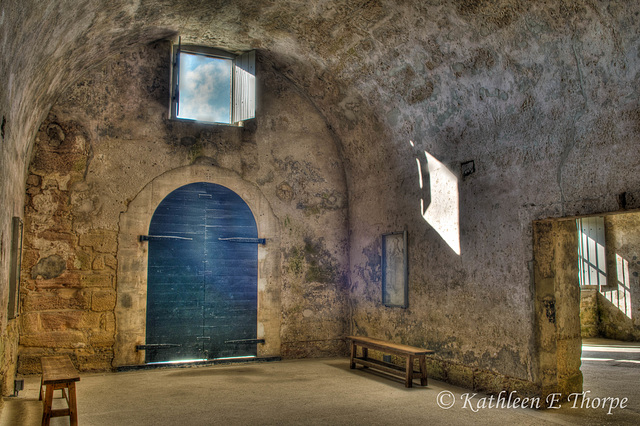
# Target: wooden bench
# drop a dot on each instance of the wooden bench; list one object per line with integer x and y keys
{"x": 410, "y": 353}
{"x": 59, "y": 373}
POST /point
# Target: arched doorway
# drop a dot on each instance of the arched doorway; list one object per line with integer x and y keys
{"x": 202, "y": 276}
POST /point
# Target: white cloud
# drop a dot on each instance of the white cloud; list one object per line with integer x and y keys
{"x": 205, "y": 88}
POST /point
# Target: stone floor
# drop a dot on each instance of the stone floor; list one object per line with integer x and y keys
{"x": 323, "y": 391}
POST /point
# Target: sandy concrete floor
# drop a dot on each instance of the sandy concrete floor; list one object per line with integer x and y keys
{"x": 322, "y": 392}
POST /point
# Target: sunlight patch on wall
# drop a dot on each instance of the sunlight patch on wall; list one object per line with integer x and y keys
{"x": 442, "y": 210}
{"x": 621, "y": 297}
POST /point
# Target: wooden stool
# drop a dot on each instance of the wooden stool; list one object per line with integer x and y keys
{"x": 59, "y": 373}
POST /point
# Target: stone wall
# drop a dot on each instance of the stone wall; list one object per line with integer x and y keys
{"x": 68, "y": 275}
{"x": 106, "y": 138}
{"x": 589, "y": 312}
{"x": 557, "y": 304}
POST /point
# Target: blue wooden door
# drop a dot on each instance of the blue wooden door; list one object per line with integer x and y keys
{"x": 202, "y": 276}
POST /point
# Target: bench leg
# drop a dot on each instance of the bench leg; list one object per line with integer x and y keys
{"x": 354, "y": 348}
{"x": 409, "y": 379}
{"x": 73, "y": 410}
{"x": 423, "y": 370}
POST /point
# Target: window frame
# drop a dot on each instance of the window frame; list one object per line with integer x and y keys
{"x": 248, "y": 93}
{"x": 398, "y": 264}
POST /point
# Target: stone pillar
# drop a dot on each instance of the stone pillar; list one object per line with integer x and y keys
{"x": 557, "y": 307}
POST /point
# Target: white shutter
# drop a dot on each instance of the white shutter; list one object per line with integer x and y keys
{"x": 244, "y": 87}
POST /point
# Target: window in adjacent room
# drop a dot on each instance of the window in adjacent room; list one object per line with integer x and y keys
{"x": 592, "y": 265}
{"x": 212, "y": 86}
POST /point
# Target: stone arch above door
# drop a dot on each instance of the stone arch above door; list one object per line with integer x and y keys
{"x": 131, "y": 278}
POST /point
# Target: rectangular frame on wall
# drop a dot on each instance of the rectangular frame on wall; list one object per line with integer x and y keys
{"x": 15, "y": 266}
{"x": 395, "y": 271}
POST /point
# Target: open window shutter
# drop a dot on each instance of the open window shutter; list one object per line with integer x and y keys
{"x": 244, "y": 87}
{"x": 175, "y": 78}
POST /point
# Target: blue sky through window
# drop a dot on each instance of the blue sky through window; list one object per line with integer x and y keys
{"x": 205, "y": 88}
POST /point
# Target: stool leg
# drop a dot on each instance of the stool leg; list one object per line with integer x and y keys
{"x": 73, "y": 410}
{"x": 46, "y": 411}
{"x": 40, "y": 394}
{"x": 423, "y": 371}
{"x": 409, "y": 380}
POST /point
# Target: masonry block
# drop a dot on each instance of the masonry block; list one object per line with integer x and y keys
{"x": 55, "y": 339}
{"x": 97, "y": 280}
{"x": 102, "y": 339}
{"x": 75, "y": 320}
{"x": 103, "y": 301}
{"x": 57, "y": 300}
{"x": 102, "y": 241}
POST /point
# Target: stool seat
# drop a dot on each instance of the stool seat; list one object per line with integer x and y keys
{"x": 58, "y": 372}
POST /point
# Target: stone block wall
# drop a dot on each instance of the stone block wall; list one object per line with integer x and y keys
{"x": 108, "y": 140}
{"x": 589, "y": 314}
{"x": 557, "y": 303}
{"x": 68, "y": 269}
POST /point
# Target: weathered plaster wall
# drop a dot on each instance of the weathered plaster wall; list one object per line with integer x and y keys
{"x": 106, "y": 138}
{"x": 542, "y": 96}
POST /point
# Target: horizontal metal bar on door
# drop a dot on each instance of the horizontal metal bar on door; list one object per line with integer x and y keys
{"x": 157, "y": 346}
{"x": 244, "y": 240}
{"x": 243, "y": 341}
{"x": 163, "y": 237}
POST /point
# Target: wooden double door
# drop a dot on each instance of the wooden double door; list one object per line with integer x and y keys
{"x": 202, "y": 276}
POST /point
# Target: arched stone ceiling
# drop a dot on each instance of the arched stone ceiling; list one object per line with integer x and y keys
{"x": 338, "y": 52}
